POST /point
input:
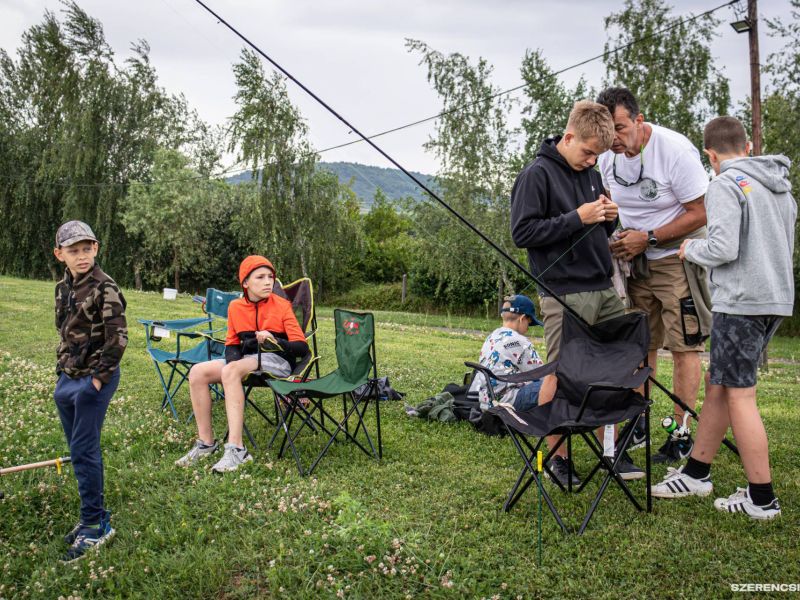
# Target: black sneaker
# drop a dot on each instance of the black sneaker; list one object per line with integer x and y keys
{"x": 560, "y": 468}
{"x": 674, "y": 450}
{"x": 639, "y": 435}
{"x": 69, "y": 538}
{"x": 627, "y": 470}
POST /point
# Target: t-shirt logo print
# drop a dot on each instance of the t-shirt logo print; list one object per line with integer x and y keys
{"x": 648, "y": 190}
{"x": 350, "y": 328}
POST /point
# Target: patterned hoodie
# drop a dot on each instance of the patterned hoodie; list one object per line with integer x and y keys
{"x": 90, "y": 318}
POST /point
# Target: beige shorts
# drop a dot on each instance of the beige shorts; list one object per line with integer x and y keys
{"x": 659, "y": 297}
{"x": 593, "y": 307}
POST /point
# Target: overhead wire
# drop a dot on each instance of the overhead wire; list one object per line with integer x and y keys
{"x": 237, "y": 170}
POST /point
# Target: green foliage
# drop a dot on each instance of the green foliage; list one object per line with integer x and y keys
{"x": 472, "y": 142}
{"x": 301, "y": 217}
{"x": 548, "y": 105}
{"x": 673, "y": 75}
{"x": 388, "y": 245}
{"x": 75, "y": 127}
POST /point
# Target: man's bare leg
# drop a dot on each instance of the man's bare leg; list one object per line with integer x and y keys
{"x": 686, "y": 374}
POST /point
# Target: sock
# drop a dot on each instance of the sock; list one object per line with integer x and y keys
{"x": 94, "y": 526}
{"x": 697, "y": 469}
{"x": 761, "y": 493}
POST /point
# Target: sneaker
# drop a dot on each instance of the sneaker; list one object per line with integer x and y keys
{"x": 73, "y": 533}
{"x": 198, "y": 451}
{"x": 232, "y": 459}
{"x": 560, "y": 468}
{"x": 627, "y": 470}
{"x": 674, "y": 450}
{"x": 88, "y": 538}
{"x": 639, "y": 435}
{"x": 740, "y": 502}
{"x": 678, "y": 485}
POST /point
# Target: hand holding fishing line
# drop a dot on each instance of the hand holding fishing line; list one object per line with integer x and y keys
{"x": 592, "y": 212}
{"x": 264, "y": 336}
{"x": 612, "y": 210}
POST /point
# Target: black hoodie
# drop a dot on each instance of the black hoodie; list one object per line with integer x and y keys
{"x": 545, "y": 221}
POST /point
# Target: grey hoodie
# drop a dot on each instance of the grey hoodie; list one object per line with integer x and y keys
{"x": 750, "y": 244}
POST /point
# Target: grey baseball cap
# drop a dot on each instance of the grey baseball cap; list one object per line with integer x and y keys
{"x": 72, "y": 232}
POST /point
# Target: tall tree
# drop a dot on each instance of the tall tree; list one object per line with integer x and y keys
{"x": 671, "y": 73}
{"x": 548, "y": 103}
{"x": 472, "y": 142}
{"x": 301, "y": 216}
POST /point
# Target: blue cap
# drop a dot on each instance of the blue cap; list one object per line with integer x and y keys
{"x": 522, "y": 305}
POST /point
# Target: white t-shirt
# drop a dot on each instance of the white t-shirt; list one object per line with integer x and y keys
{"x": 673, "y": 175}
{"x": 506, "y": 352}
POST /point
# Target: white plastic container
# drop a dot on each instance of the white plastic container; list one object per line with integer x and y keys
{"x": 170, "y": 293}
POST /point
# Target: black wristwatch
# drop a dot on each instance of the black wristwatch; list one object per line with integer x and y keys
{"x": 652, "y": 241}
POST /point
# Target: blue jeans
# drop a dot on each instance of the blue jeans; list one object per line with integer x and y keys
{"x": 82, "y": 410}
{"x": 527, "y": 396}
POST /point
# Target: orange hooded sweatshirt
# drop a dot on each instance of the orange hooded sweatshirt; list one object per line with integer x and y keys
{"x": 273, "y": 314}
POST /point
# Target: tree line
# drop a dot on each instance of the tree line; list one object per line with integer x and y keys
{"x": 85, "y": 136}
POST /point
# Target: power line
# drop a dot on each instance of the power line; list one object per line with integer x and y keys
{"x": 233, "y": 170}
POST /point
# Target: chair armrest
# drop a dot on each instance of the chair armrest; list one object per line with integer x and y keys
{"x": 522, "y": 377}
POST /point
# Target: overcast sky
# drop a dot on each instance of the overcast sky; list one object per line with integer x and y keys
{"x": 352, "y": 53}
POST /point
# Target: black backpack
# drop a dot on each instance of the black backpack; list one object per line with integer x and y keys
{"x": 467, "y": 408}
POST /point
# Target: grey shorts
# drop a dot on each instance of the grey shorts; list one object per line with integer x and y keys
{"x": 737, "y": 342}
{"x": 270, "y": 363}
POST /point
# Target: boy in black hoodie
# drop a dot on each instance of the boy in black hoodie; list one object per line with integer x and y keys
{"x": 561, "y": 216}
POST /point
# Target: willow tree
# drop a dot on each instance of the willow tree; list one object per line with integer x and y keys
{"x": 472, "y": 142}
{"x": 300, "y": 217}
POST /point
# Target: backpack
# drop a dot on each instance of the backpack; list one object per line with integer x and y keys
{"x": 466, "y": 408}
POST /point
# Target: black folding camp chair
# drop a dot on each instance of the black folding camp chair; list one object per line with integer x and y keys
{"x": 301, "y": 294}
{"x": 172, "y": 365}
{"x": 598, "y": 371}
{"x": 354, "y": 380}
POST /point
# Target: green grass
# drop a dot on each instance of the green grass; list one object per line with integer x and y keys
{"x": 424, "y": 522}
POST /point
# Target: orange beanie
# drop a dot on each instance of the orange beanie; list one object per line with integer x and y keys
{"x": 251, "y": 263}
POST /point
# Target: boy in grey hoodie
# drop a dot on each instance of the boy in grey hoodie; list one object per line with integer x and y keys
{"x": 748, "y": 252}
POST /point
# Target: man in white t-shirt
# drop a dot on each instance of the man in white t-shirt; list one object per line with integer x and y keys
{"x": 656, "y": 178}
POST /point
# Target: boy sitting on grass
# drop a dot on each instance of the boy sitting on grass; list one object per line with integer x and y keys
{"x": 751, "y": 216}
{"x": 90, "y": 318}
{"x": 259, "y": 317}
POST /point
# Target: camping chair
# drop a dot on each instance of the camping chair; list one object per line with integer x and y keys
{"x": 354, "y": 380}
{"x": 301, "y": 294}
{"x": 598, "y": 371}
{"x": 178, "y": 360}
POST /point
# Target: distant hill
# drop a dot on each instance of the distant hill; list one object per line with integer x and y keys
{"x": 366, "y": 179}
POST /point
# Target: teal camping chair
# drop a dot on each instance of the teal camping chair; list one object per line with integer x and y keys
{"x": 173, "y": 364}
{"x": 355, "y": 380}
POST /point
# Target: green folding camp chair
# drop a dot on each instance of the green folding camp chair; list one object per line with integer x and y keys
{"x": 172, "y": 365}
{"x": 301, "y": 294}
{"x": 355, "y": 380}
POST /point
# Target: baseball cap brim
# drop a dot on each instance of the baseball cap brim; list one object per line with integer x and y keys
{"x": 76, "y": 239}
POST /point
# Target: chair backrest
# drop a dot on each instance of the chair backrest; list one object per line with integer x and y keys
{"x": 355, "y": 344}
{"x": 217, "y": 302}
{"x": 609, "y": 351}
{"x": 301, "y": 294}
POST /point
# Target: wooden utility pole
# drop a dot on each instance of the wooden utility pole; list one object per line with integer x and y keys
{"x": 755, "y": 76}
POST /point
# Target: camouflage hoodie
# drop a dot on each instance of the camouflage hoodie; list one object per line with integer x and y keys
{"x": 90, "y": 318}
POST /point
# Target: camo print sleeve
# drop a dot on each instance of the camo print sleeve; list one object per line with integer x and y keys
{"x": 60, "y": 313}
{"x": 116, "y": 331}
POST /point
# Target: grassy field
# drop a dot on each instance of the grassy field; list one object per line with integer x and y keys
{"x": 425, "y": 522}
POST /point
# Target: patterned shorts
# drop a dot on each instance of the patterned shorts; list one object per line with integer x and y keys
{"x": 737, "y": 342}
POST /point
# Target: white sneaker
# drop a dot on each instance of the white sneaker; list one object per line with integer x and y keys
{"x": 740, "y": 502}
{"x": 198, "y": 451}
{"x": 678, "y": 485}
{"x": 232, "y": 459}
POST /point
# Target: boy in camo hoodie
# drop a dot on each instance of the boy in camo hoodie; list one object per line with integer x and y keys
{"x": 90, "y": 318}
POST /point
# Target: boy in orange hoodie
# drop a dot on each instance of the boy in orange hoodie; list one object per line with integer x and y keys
{"x": 259, "y": 317}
